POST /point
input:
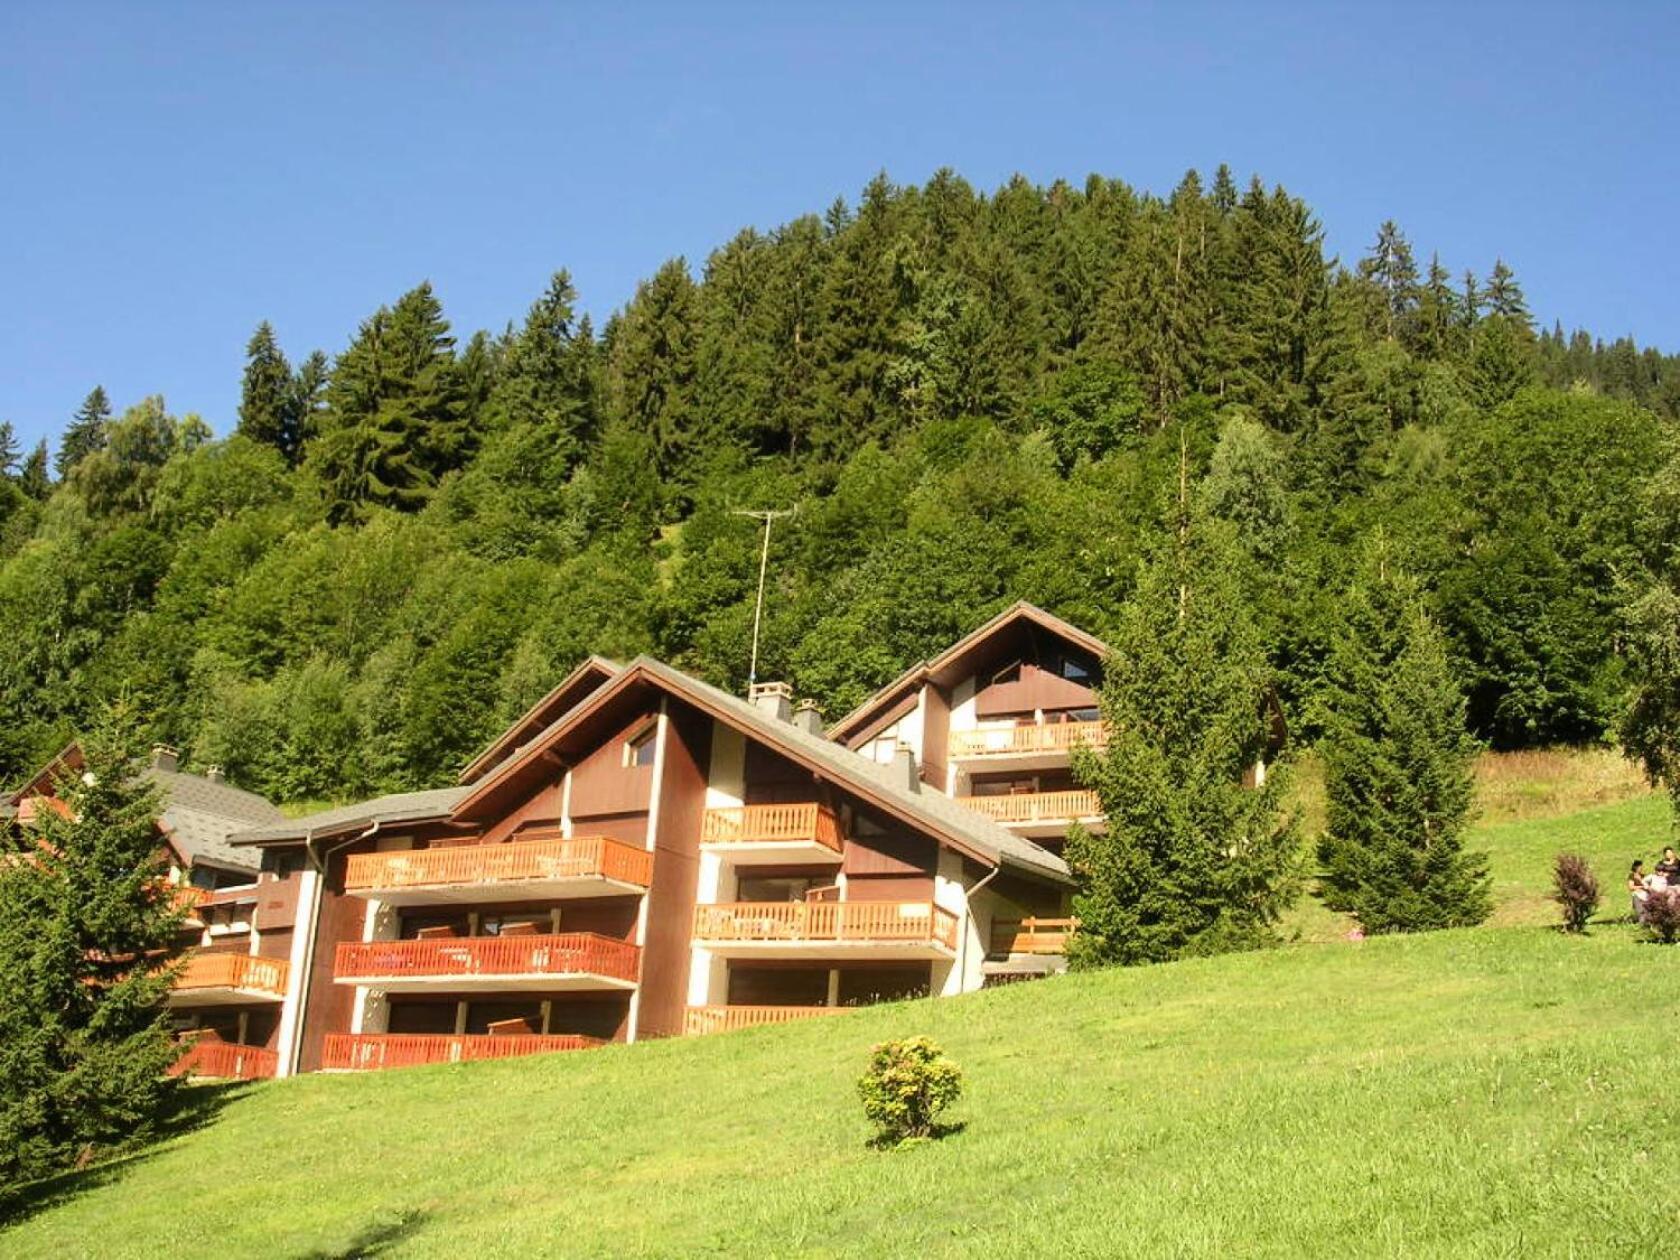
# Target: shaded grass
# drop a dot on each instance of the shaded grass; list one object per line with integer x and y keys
{"x": 1483, "y": 1092}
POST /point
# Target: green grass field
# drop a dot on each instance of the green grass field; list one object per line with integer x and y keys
{"x": 1502, "y": 1091}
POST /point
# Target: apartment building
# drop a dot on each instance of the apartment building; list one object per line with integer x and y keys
{"x": 233, "y": 984}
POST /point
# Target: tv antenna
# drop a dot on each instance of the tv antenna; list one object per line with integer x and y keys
{"x": 767, "y": 515}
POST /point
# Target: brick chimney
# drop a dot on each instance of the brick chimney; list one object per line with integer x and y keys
{"x": 773, "y": 699}
{"x": 215, "y": 774}
{"x": 808, "y": 718}
{"x": 904, "y": 768}
{"x": 165, "y": 758}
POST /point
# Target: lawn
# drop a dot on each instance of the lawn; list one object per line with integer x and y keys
{"x": 1500, "y": 1091}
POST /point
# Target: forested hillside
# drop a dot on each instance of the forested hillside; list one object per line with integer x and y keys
{"x": 968, "y": 398}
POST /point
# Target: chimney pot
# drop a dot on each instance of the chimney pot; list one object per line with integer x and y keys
{"x": 773, "y": 699}
{"x": 904, "y": 768}
{"x": 216, "y": 774}
{"x": 165, "y": 758}
{"x": 807, "y": 717}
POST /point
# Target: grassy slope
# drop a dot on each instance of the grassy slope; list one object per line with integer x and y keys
{"x": 1484, "y": 1092}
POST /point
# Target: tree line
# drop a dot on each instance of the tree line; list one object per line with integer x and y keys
{"x": 967, "y": 397}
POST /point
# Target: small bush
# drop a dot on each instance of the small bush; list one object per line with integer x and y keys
{"x": 1575, "y": 889}
{"x": 1662, "y": 917}
{"x": 908, "y": 1083}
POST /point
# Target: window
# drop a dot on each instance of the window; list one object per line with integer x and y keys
{"x": 1008, "y": 674}
{"x": 640, "y": 747}
{"x": 1073, "y": 671}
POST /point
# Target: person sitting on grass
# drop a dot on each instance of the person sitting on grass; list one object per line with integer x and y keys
{"x": 1637, "y": 890}
{"x": 1669, "y": 867}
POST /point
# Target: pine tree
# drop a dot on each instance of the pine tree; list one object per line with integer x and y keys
{"x": 84, "y": 1037}
{"x": 1504, "y": 296}
{"x": 1397, "y": 763}
{"x": 1391, "y": 267}
{"x": 9, "y": 449}
{"x": 268, "y": 396}
{"x": 309, "y": 388}
{"x": 85, "y": 433}
{"x": 35, "y": 480}
{"x": 653, "y": 366}
{"x": 1192, "y": 861}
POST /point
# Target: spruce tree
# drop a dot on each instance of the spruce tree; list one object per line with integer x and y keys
{"x": 1504, "y": 296}
{"x": 1391, "y": 267}
{"x": 35, "y": 480}
{"x": 85, "y": 919}
{"x": 1192, "y": 860}
{"x": 268, "y": 397}
{"x": 1398, "y": 763}
{"x": 85, "y": 432}
{"x": 9, "y": 449}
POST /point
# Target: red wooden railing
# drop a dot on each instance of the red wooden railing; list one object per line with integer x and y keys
{"x": 700, "y": 1020}
{"x": 768, "y": 824}
{"x": 370, "y": 1052}
{"x": 1032, "y": 935}
{"x": 576, "y": 858}
{"x": 210, "y": 1056}
{"x": 1005, "y": 741}
{"x": 568, "y": 953}
{"x": 1033, "y": 807}
{"x": 235, "y": 971}
{"x": 826, "y": 921}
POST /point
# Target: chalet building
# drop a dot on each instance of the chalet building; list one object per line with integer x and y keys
{"x": 237, "y": 938}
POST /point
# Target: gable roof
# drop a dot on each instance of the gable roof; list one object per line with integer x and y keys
{"x": 928, "y": 811}
{"x": 588, "y": 677}
{"x": 942, "y": 669}
{"x": 398, "y": 808}
{"x": 198, "y": 816}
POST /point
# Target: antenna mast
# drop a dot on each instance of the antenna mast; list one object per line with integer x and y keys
{"x": 767, "y": 516}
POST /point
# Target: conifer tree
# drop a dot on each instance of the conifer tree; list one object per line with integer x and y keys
{"x": 84, "y": 920}
{"x": 1397, "y": 763}
{"x": 35, "y": 480}
{"x": 1192, "y": 861}
{"x": 1391, "y": 267}
{"x": 9, "y": 449}
{"x": 1504, "y": 296}
{"x": 85, "y": 433}
{"x": 268, "y": 396}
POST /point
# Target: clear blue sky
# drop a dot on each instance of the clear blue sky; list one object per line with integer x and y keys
{"x": 174, "y": 173}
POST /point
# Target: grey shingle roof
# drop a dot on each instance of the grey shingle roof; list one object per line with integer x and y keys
{"x": 200, "y": 814}
{"x": 986, "y": 836}
{"x": 400, "y": 807}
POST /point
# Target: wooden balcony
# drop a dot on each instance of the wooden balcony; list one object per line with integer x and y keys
{"x": 700, "y": 1020}
{"x": 827, "y": 929}
{"x": 773, "y": 834}
{"x": 1031, "y": 935}
{"x": 544, "y": 964}
{"x": 230, "y": 979}
{"x": 582, "y": 866}
{"x": 373, "y": 1052}
{"x": 1040, "y": 814}
{"x": 209, "y": 1056}
{"x": 1026, "y": 747}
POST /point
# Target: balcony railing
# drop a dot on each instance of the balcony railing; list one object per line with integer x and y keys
{"x": 826, "y": 921}
{"x": 700, "y": 1020}
{"x": 371, "y": 1052}
{"x": 772, "y": 824}
{"x": 210, "y": 1056}
{"x": 1015, "y": 741}
{"x": 565, "y": 954}
{"x": 1036, "y": 807}
{"x": 582, "y": 857}
{"x": 1032, "y": 936}
{"x": 247, "y": 972}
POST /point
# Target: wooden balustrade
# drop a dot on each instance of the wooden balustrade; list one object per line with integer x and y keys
{"x": 211, "y": 1056}
{"x": 581, "y": 857}
{"x": 1036, "y": 807}
{"x": 700, "y": 1020}
{"x": 770, "y": 824}
{"x": 568, "y": 953}
{"x": 1011, "y": 741}
{"x": 1032, "y": 935}
{"x": 882, "y": 921}
{"x": 371, "y": 1052}
{"x": 267, "y": 976}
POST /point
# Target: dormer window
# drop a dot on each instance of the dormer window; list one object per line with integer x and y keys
{"x": 639, "y": 748}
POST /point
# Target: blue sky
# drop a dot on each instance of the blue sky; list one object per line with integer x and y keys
{"x": 174, "y": 173}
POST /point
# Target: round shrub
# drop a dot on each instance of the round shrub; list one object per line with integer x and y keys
{"x": 908, "y": 1083}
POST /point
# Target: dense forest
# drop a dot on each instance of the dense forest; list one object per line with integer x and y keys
{"x": 966, "y": 398}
